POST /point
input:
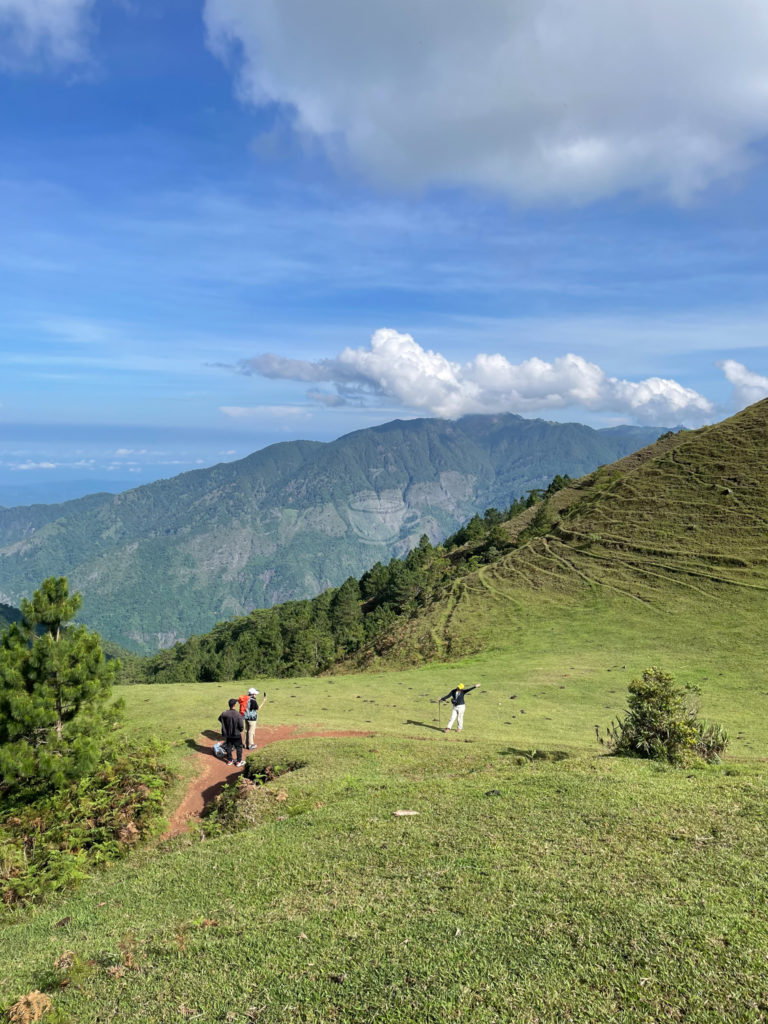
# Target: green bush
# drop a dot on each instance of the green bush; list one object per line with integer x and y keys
{"x": 661, "y": 723}
{"x": 58, "y": 839}
{"x": 239, "y": 805}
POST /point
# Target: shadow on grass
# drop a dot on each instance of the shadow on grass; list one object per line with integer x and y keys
{"x": 423, "y": 725}
{"x": 215, "y": 790}
{"x": 202, "y": 748}
{"x": 534, "y": 755}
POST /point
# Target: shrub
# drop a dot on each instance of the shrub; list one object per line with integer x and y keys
{"x": 711, "y": 740}
{"x": 661, "y": 723}
{"x": 240, "y": 806}
{"x": 56, "y": 840}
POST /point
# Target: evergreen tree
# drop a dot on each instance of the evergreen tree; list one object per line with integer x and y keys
{"x": 373, "y": 582}
{"x": 558, "y": 483}
{"x": 474, "y": 531}
{"x": 54, "y": 684}
{"x": 347, "y": 616}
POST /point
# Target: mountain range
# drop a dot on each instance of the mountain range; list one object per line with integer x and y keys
{"x": 169, "y": 559}
{"x": 663, "y": 549}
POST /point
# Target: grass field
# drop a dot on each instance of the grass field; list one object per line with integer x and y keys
{"x": 526, "y": 889}
{"x": 566, "y": 662}
{"x": 540, "y": 881}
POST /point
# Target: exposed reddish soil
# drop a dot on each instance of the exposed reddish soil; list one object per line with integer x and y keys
{"x": 213, "y": 774}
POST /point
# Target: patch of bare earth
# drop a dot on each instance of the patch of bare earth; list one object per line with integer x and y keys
{"x": 214, "y": 774}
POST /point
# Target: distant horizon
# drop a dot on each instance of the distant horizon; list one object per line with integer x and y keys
{"x": 42, "y": 480}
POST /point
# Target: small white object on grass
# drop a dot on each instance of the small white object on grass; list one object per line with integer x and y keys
{"x": 404, "y": 814}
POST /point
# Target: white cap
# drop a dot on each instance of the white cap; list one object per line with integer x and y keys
{"x": 253, "y": 692}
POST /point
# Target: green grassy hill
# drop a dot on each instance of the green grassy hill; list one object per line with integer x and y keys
{"x": 631, "y": 560}
{"x": 170, "y": 559}
{"x": 540, "y": 881}
{"x": 665, "y": 548}
{"x": 529, "y": 887}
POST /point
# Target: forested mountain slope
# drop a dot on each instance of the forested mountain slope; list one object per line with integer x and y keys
{"x": 667, "y": 543}
{"x": 169, "y": 559}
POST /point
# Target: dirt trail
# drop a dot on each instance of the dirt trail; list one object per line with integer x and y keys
{"x": 214, "y": 774}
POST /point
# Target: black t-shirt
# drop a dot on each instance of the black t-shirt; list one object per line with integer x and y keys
{"x": 457, "y": 695}
{"x": 231, "y": 724}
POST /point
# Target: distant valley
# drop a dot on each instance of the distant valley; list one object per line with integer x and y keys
{"x": 169, "y": 559}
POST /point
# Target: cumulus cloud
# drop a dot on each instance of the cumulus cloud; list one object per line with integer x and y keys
{"x": 56, "y": 29}
{"x": 748, "y": 387}
{"x": 395, "y": 366}
{"x": 539, "y": 99}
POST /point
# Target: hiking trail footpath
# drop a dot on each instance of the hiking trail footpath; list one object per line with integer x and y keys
{"x": 213, "y": 774}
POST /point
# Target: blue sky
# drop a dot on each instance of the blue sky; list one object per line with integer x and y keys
{"x": 243, "y": 221}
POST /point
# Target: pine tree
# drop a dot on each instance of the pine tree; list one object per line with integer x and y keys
{"x": 347, "y": 616}
{"x": 54, "y": 686}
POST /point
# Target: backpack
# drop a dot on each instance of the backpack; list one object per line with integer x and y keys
{"x": 250, "y": 716}
{"x": 218, "y": 751}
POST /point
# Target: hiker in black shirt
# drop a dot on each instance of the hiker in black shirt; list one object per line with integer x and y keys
{"x": 232, "y": 724}
{"x": 456, "y": 697}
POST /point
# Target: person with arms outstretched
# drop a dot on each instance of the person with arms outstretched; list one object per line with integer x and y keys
{"x": 456, "y": 697}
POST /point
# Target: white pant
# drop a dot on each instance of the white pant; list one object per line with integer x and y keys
{"x": 457, "y": 714}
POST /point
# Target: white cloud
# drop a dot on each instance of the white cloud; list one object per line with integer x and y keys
{"x": 395, "y": 366}
{"x": 56, "y": 29}
{"x": 281, "y": 368}
{"x": 37, "y": 465}
{"x": 748, "y": 387}
{"x": 538, "y": 99}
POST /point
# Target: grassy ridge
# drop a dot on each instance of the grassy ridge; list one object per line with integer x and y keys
{"x": 671, "y": 538}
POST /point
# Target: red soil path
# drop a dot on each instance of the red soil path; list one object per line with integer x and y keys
{"x": 213, "y": 774}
